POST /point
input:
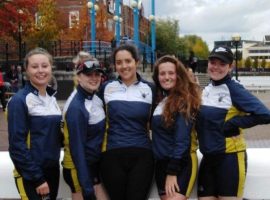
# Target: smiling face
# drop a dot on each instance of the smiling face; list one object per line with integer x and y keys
{"x": 217, "y": 69}
{"x": 39, "y": 70}
{"x": 126, "y": 66}
{"x": 90, "y": 81}
{"x": 167, "y": 75}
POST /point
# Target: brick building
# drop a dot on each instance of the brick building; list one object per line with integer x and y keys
{"x": 71, "y": 11}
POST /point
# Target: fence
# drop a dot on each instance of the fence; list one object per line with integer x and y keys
{"x": 64, "y": 51}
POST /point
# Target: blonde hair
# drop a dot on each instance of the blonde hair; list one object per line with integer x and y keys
{"x": 81, "y": 57}
{"x": 37, "y": 51}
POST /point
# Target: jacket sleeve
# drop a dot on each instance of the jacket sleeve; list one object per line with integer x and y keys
{"x": 100, "y": 92}
{"x": 255, "y": 111}
{"x": 182, "y": 134}
{"x": 18, "y": 130}
{"x": 77, "y": 128}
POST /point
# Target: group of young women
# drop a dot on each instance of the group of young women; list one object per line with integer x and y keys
{"x": 109, "y": 150}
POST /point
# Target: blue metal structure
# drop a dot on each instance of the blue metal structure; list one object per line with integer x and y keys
{"x": 153, "y": 31}
{"x": 136, "y": 24}
{"x": 93, "y": 24}
{"x": 117, "y": 21}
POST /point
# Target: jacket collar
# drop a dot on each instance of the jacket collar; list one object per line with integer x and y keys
{"x": 50, "y": 91}
{"x": 84, "y": 93}
{"x": 222, "y": 81}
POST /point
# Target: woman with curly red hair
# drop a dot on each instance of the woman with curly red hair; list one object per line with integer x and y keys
{"x": 174, "y": 142}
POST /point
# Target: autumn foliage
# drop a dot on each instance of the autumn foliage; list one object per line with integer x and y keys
{"x": 45, "y": 28}
{"x": 41, "y": 21}
{"x": 13, "y": 13}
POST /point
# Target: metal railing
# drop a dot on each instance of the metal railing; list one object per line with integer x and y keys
{"x": 64, "y": 51}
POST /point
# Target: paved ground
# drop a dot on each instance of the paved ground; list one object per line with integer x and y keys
{"x": 257, "y": 137}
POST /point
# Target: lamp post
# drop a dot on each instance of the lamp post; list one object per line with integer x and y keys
{"x": 117, "y": 21}
{"x": 20, "y": 36}
{"x": 153, "y": 30}
{"x": 236, "y": 38}
{"x": 92, "y": 12}
{"x": 136, "y": 6}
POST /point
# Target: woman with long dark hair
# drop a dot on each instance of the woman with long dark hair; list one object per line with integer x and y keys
{"x": 127, "y": 162}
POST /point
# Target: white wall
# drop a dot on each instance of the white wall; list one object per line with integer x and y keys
{"x": 257, "y": 182}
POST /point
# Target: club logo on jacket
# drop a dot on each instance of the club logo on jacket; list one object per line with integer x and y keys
{"x": 221, "y": 97}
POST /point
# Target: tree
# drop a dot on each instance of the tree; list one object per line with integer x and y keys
{"x": 239, "y": 54}
{"x": 3, "y": 2}
{"x": 182, "y": 51}
{"x": 197, "y": 45}
{"x": 169, "y": 42}
{"x": 240, "y": 63}
{"x": 255, "y": 63}
{"x": 263, "y": 63}
{"x": 248, "y": 63}
{"x": 46, "y": 28}
{"x": 14, "y": 14}
{"x": 167, "y": 37}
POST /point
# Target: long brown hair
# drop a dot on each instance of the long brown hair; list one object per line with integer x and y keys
{"x": 184, "y": 98}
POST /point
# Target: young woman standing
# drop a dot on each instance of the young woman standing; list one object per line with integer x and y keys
{"x": 227, "y": 109}
{"x": 127, "y": 163}
{"x": 84, "y": 127}
{"x": 174, "y": 143}
{"x": 34, "y": 131}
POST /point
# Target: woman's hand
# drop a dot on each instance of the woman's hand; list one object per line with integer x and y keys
{"x": 171, "y": 185}
{"x": 43, "y": 189}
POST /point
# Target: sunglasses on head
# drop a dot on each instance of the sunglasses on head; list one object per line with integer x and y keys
{"x": 89, "y": 65}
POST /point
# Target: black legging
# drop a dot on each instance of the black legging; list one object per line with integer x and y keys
{"x": 51, "y": 175}
{"x": 127, "y": 173}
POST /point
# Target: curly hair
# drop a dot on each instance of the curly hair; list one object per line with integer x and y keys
{"x": 184, "y": 97}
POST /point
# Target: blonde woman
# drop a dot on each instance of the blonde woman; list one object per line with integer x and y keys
{"x": 84, "y": 127}
{"x": 34, "y": 130}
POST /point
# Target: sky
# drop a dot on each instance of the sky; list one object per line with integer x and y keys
{"x": 215, "y": 20}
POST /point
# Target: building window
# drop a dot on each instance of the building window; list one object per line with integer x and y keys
{"x": 74, "y": 17}
{"x": 110, "y": 5}
{"x": 37, "y": 19}
{"x": 110, "y": 25}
